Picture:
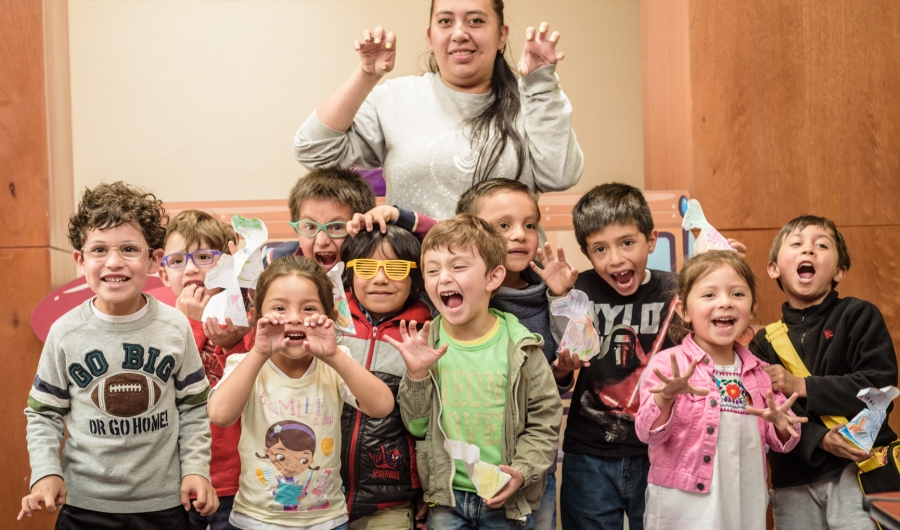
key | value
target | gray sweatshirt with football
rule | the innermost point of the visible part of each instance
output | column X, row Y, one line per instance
column 413, row 127
column 133, row 397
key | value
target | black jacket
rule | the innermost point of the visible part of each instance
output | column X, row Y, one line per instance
column 378, row 466
column 845, row 345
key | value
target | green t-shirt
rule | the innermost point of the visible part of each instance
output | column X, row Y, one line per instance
column 473, row 377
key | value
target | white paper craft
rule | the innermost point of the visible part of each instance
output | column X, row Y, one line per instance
column 487, row 478
column 708, row 238
column 232, row 273
column 580, row 337
column 344, row 320
column 863, row 429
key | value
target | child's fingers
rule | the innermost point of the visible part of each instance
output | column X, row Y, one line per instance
column 789, row 402
column 378, row 34
column 662, row 378
column 698, row 391
column 554, row 38
column 676, row 373
column 186, row 499
column 791, row 431
column 561, row 254
column 367, row 36
column 529, row 34
column 404, row 334
column 390, row 41
column 443, row 349
column 426, row 329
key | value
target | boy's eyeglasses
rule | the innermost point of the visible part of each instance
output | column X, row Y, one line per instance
column 100, row 251
column 201, row 258
column 394, row 269
column 307, row 228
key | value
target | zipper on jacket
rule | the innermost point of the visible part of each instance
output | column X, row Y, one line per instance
column 354, row 436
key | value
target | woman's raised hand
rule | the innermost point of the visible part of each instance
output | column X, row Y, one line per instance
column 377, row 50
column 540, row 49
column 669, row 387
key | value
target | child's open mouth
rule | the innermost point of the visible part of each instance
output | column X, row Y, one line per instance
column 295, row 336
column 327, row 259
column 723, row 323
column 451, row 299
column 198, row 283
column 623, row 279
column 115, row 280
column 806, row 271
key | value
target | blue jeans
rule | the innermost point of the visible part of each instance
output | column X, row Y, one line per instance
column 471, row 513
column 545, row 515
column 596, row 493
column 216, row 521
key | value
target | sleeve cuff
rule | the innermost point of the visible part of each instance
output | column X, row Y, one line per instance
column 194, row 470
column 407, row 219
column 542, row 80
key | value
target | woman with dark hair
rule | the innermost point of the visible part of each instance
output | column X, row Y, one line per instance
column 467, row 120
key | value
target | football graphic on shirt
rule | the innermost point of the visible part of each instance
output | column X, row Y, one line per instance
column 126, row 395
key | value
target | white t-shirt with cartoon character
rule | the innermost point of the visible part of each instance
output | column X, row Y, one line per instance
column 291, row 448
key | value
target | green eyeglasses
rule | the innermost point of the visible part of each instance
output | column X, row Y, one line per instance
column 307, row 228
column 394, row 269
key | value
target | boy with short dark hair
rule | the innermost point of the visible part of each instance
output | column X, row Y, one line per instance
column 476, row 376
column 845, row 345
column 605, row 466
column 194, row 242
column 321, row 204
column 123, row 371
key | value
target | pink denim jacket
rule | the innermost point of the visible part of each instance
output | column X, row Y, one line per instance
column 683, row 450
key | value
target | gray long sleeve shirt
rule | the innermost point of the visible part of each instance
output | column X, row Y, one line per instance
column 413, row 128
column 133, row 396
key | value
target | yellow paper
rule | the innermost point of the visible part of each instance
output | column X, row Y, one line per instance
column 488, row 479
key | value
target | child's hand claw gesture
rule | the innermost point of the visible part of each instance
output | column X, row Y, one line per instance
column 539, row 50
column 556, row 272
column 417, row 354
column 669, row 387
column 270, row 337
column 778, row 416
column 376, row 51
column 320, row 341
column 380, row 215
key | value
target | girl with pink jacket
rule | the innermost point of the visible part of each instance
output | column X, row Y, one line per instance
column 707, row 410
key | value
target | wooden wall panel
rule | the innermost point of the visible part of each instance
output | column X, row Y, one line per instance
column 665, row 55
column 23, row 147
column 794, row 110
column 750, row 135
column 20, row 353
column 26, row 215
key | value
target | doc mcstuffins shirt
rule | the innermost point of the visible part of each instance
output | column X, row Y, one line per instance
column 290, row 447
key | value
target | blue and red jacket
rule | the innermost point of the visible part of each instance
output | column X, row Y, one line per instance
column 378, row 456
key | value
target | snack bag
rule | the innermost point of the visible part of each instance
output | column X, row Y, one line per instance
column 708, row 238
column 580, row 337
column 862, row 430
column 344, row 320
column 487, row 478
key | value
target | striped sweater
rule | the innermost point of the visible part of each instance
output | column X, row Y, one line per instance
column 132, row 396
